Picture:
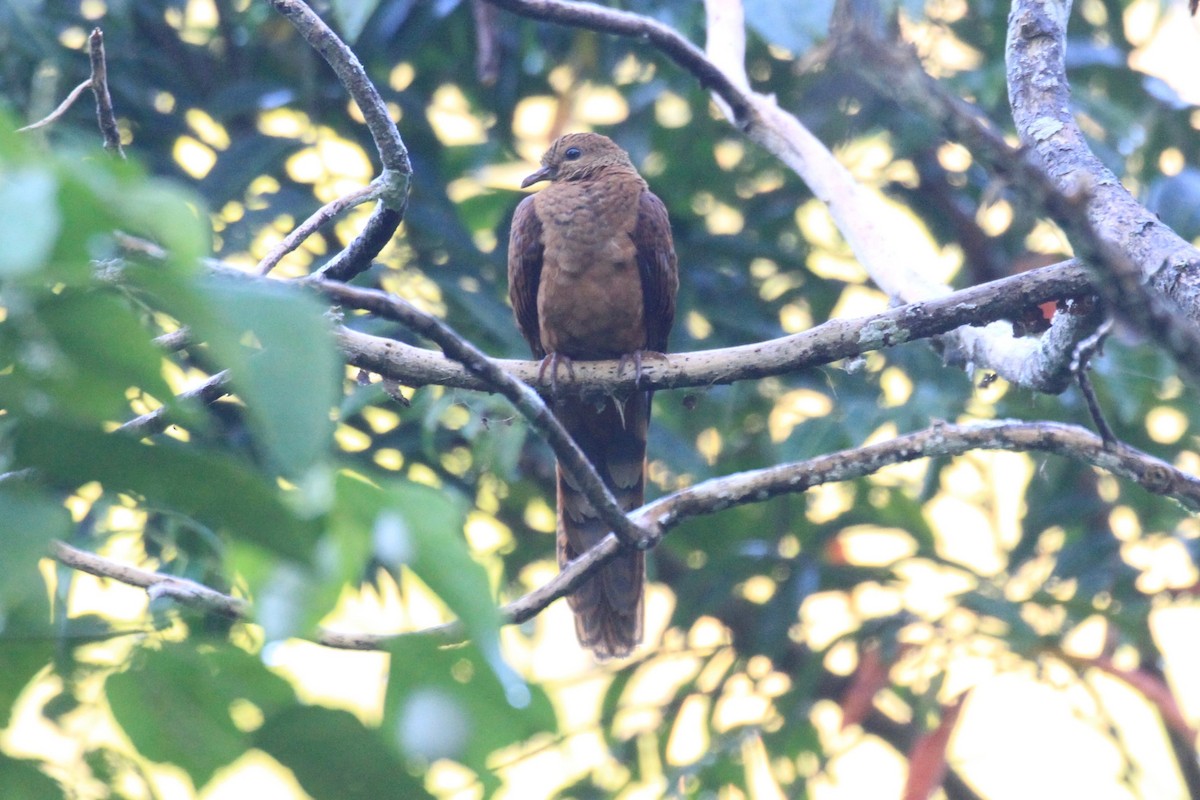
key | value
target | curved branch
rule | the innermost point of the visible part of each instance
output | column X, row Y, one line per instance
column 1041, row 103
column 1114, row 233
column 830, row 341
column 324, row 214
column 394, row 182
column 625, row 23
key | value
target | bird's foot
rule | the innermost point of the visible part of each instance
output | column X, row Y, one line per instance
column 552, row 360
column 636, row 358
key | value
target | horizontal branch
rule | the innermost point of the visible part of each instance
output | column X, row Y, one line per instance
column 825, row 343
column 181, row 590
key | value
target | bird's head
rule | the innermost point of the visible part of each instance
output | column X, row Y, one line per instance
column 577, row 156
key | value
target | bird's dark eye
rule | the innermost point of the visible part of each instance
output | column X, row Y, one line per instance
column 572, row 153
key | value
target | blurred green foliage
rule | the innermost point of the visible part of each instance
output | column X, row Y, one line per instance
column 261, row 498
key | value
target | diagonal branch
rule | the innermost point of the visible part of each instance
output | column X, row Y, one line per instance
column 717, row 494
column 1116, row 236
column 526, row 400
column 394, row 182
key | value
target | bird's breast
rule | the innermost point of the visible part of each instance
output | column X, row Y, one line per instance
column 590, row 296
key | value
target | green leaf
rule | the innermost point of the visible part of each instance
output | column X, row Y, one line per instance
column 210, row 488
column 442, row 702
column 335, row 757
column 29, row 520
column 22, row 778
column 421, row 528
column 175, row 704
column 80, row 351
column 277, row 344
column 29, row 219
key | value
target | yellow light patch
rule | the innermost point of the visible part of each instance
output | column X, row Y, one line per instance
column 859, row 301
column 73, row 38
column 793, row 408
column 795, row 317
column 285, row 123
column 1166, row 425
column 1171, row 161
column 457, row 460
column 194, row 157
column 401, row 76
column 708, row 443
column 724, row 220
column 449, row 114
column 211, row 132
column 351, row 440
column 953, row 157
column 697, row 326
column 532, row 119
column 896, row 385
column 486, row 534
column 539, row 516
column 728, row 153
column 672, row 111
column 381, row 420
column 869, row 546
column 389, row 458
column 602, row 105
column 421, row 473
column 759, row 589
column 93, row 9
column 995, row 218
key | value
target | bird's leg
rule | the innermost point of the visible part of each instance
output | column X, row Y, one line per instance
column 552, row 360
column 636, row 358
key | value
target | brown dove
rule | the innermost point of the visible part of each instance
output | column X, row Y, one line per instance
column 592, row 275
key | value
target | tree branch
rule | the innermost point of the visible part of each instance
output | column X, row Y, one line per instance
column 181, row 590
column 105, row 116
column 324, row 214
column 1069, row 441
column 394, row 182
column 570, row 457
column 1116, row 235
column 830, row 341
column 625, row 23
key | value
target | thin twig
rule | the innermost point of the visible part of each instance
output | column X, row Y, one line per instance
column 322, row 215
column 1080, row 365
column 156, row 421
column 105, row 116
column 54, row 115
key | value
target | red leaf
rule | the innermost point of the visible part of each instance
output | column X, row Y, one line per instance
column 869, row 678
column 927, row 758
